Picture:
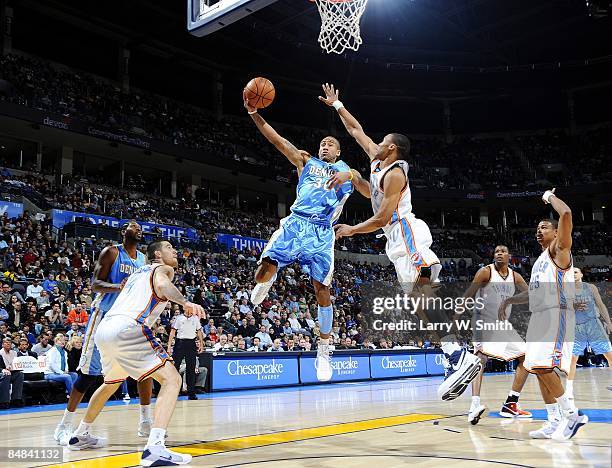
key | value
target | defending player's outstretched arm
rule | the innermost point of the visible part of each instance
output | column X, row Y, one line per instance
column 352, row 125
column 295, row 156
column 162, row 285
column 394, row 183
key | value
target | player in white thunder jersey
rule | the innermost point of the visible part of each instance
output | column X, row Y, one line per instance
column 550, row 334
column 128, row 348
column 492, row 285
column 408, row 238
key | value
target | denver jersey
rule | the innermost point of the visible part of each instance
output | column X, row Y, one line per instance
column 584, row 295
column 314, row 200
column 123, row 267
column 404, row 207
column 138, row 300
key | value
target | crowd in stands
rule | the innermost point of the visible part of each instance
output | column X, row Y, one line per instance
column 466, row 163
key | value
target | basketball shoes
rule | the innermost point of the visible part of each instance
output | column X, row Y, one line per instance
column 546, row 431
column 323, row 363
column 62, row 433
column 476, row 412
column 86, row 441
column 513, row 410
column 569, row 425
column 462, row 368
column 159, row 455
column 260, row 291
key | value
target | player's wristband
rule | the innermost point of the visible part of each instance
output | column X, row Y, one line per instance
column 337, row 105
column 352, row 176
column 251, row 113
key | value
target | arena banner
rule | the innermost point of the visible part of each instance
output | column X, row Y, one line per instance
column 435, row 362
column 241, row 243
column 385, row 365
column 345, row 367
column 30, row 364
column 63, row 217
column 254, row 370
column 11, row 209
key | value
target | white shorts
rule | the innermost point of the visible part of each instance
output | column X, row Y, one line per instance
column 550, row 340
column 408, row 247
column 128, row 348
column 504, row 344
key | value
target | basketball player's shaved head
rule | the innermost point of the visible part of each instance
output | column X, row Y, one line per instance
column 501, row 255
column 329, row 149
column 546, row 232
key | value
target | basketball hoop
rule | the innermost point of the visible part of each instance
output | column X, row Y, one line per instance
column 340, row 24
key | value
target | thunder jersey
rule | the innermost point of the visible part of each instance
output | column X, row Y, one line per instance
column 584, row 295
column 138, row 300
column 123, row 267
column 404, row 207
column 549, row 286
column 495, row 292
column 314, row 200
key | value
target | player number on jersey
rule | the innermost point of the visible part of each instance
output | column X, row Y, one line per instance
column 320, row 182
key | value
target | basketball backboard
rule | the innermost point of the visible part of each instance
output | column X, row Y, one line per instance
column 207, row 16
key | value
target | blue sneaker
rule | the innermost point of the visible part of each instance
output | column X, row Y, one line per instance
column 569, row 425
column 462, row 368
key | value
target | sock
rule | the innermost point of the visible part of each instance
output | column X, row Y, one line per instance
column 326, row 318
column 569, row 387
column 475, row 401
column 513, row 397
column 156, row 437
column 67, row 418
column 145, row 413
column 83, row 428
column 553, row 411
column 566, row 404
column 436, row 268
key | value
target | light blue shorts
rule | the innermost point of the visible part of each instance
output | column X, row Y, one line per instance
column 306, row 242
column 592, row 334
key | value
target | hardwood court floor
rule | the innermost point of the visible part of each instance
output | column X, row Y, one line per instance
column 383, row 423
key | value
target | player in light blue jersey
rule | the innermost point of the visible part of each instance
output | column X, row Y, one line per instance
column 307, row 234
column 593, row 325
column 114, row 265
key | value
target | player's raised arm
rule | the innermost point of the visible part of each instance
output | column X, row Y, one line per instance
column 563, row 242
column 296, row 157
column 102, row 270
column 352, row 125
column 394, row 183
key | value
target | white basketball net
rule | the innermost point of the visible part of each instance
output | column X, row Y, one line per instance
column 340, row 24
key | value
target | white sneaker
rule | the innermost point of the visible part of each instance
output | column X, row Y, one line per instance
column 462, row 367
column 323, row 363
column 476, row 412
column 62, row 433
column 260, row 291
column 569, row 425
column 144, row 428
column 86, row 441
column 126, row 397
column 158, row 455
column 546, row 431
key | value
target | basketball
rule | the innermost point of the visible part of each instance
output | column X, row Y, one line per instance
column 260, row 92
